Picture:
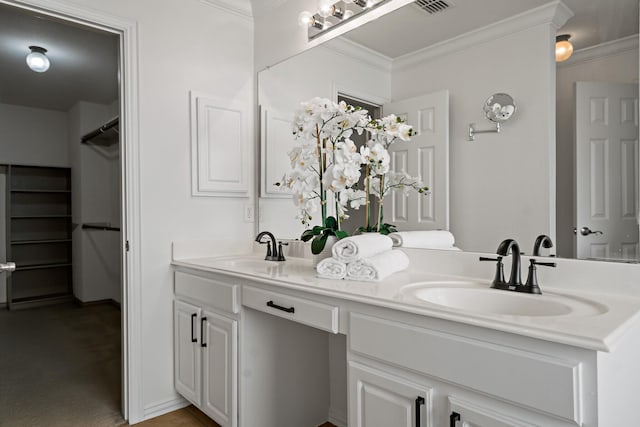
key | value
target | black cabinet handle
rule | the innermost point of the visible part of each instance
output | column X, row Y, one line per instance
column 202, row 343
column 193, row 332
column 279, row 307
column 419, row 403
column 453, row 418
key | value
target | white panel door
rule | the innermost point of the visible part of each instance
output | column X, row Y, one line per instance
column 426, row 156
column 378, row 399
column 187, row 353
column 220, row 366
column 607, row 171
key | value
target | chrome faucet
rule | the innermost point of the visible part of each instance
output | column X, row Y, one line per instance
column 274, row 253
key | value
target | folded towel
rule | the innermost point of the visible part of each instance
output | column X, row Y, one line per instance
column 378, row 266
column 361, row 246
column 423, row 239
column 331, row 268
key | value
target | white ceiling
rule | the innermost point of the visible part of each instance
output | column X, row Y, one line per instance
column 409, row 28
column 84, row 62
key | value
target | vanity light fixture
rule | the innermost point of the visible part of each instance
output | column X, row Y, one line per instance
column 332, row 13
column 564, row 48
column 498, row 108
column 37, row 60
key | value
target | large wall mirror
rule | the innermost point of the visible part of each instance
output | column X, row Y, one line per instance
column 568, row 159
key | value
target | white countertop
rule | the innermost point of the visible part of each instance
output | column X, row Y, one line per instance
column 598, row 331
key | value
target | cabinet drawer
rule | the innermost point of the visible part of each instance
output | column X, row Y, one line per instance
column 318, row 315
column 210, row 292
column 537, row 381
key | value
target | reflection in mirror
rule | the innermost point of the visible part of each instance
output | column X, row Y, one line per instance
column 499, row 107
column 520, row 184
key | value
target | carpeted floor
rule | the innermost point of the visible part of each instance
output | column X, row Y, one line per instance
column 60, row 366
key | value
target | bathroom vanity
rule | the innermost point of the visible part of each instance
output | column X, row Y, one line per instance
column 263, row 343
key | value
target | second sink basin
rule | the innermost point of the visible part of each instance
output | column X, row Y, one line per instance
column 498, row 302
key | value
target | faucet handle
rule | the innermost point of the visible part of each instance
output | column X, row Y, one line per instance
column 268, row 247
column 499, row 276
column 532, row 278
column 280, row 253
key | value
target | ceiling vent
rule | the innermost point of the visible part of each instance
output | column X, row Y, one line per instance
column 433, row 6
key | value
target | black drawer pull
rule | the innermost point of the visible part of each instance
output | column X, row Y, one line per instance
column 419, row 403
column 453, row 418
column 279, row 307
column 193, row 337
column 202, row 343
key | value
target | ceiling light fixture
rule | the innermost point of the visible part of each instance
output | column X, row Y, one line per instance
column 564, row 48
column 332, row 13
column 37, row 60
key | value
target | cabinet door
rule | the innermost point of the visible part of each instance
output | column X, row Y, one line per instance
column 220, row 368
column 468, row 414
column 378, row 399
column 187, row 353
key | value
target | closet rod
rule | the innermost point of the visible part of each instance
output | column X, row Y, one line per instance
column 102, row 129
column 104, row 227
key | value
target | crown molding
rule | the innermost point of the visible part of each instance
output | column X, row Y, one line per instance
column 613, row 47
column 241, row 8
column 359, row 53
column 556, row 13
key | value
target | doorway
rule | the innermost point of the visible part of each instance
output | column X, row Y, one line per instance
column 74, row 241
column 357, row 216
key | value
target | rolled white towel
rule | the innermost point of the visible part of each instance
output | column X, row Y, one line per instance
column 378, row 266
column 361, row 246
column 423, row 239
column 331, row 268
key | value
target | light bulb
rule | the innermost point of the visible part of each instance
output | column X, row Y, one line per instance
column 347, row 1
column 564, row 48
column 325, row 8
column 347, row 14
column 37, row 60
column 305, row 19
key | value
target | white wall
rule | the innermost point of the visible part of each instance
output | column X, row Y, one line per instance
column 183, row 46
column 33, row 136
column 95, row 199
column 284, row 86
column 597, row 64
column 500, row 183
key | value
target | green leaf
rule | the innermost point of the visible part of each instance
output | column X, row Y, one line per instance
column 331, row 223
column 341, row 234
column 317, row 245
column 307, row 235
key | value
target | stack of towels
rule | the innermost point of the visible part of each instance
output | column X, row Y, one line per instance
column 367, row 257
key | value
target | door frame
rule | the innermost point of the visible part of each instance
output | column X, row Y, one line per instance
column 131, row 279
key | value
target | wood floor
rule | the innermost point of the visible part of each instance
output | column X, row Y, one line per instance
column 187, row 417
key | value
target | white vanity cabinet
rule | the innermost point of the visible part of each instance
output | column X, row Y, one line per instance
column 206, row 345
column 410, row 375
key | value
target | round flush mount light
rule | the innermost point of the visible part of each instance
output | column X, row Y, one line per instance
column 564, row 48
column 37, row 60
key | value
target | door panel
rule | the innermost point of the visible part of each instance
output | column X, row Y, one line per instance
column 187, row 351
column 426, row 155
column 220, row 369
column 607, row 171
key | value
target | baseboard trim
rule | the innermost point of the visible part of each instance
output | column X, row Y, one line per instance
column 96, row 302
column 337, row 417
column 161, row 408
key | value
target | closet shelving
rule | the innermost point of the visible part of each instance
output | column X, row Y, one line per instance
column 38, row 222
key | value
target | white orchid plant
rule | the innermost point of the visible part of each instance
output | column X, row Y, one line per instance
column 326, row 166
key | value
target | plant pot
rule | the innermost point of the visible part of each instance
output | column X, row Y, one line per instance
column 326, row 252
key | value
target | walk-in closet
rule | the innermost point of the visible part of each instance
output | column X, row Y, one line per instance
column 61, row 245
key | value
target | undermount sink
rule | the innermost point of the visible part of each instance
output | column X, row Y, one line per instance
column 465, row 296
